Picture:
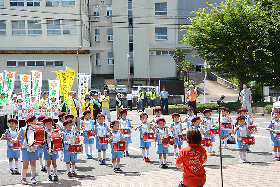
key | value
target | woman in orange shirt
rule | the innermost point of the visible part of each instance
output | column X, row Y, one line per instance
column 191, row 160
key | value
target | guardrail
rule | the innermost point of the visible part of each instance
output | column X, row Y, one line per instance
column 222, row 81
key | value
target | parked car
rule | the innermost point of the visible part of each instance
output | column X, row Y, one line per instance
column 121, row 89
column 111, row 88
column 136, row 89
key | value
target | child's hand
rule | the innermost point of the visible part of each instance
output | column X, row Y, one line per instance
column 66, row 142
column 271, row 129
column 41, row 147
column 123, row 139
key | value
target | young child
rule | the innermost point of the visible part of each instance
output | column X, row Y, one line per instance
column 53, row 103
column 160, row 133
column 88, row 125
column 115, row 136
column 51, row 159
column 10, row 134
column 224, row 119
column 176, row 129
column 40, row 151
column 101, row 130
column 243, row 111
column 195, row 124
column 59, row 125
column 274, row 128
column 242, row 131
column 191, row 160
column 189, row 116
column 144, row 127
column 125, row 124
column 29, row 154
column 158, row 115
column 69, row 139
column 208, row 124
column 71, row 117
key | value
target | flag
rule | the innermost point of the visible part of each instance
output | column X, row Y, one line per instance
column 1, row 82
column 25, row 85
column 9, row 82
column 54, row 89
column 36, row 84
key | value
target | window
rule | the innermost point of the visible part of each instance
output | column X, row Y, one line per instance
column 161, row 33
column 164, row 52
column 30, row 63
column 58, row 63
column 96, row 35
column 160, row 9
column 52, row 2
column 33, row 2
column 98, row 60
column 68, row 2
column 40, row 63
column 2, row 28
column 49, row 63
column 69, row 27
column 130, row 38
column 18, row 28
column 21, row 64
column 158, row 52
column 1, row 3
column 109, row 34
column 34, row 27
column 11, row 63
column 129, row 4
column 53, row 27
column 96, row 10
column 198, row 69
column 109, row 10
column 16, row 2
column 110, row 58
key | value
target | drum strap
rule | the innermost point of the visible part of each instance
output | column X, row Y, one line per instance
column 197, row 152
column 240, row 129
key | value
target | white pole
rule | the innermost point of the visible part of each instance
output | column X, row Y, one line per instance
column 204, row 79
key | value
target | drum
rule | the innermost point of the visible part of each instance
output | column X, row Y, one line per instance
column 165, row 142
column 149, row 137
column 250, row 140
column 90, row 134
column 182, row 137
column 76, row 149
column 119, row 146
column 126, row 132
column 278, row 136
column 171, row 140
column 214, row 131
column 16, row 146
column 226, row 126
column 54, row 142
column 252, row 127
column 103, row 140
column 206, row 142
column 35, row 135
column 185, row 137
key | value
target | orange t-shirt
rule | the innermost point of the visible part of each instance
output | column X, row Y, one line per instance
column 193, row 160
column 191, row 96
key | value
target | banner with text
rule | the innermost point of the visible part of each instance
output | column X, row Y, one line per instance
column 36, row 84
column 54, row 89
column 1, row 82
column 66, row 81
column 83, row 80
column 9, row 82
column 25, row 85
column 6, row 110
column 22, row 114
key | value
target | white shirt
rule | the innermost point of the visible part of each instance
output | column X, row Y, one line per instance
column 129, row 97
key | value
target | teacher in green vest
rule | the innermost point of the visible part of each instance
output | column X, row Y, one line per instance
column 153, row 96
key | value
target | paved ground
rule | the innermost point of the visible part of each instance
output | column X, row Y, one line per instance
column 137, row 173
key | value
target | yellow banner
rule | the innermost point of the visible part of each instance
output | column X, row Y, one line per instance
column 66, row 81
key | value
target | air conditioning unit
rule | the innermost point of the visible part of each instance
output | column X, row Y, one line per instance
column 109, row 37
column 152, row 53
column 97, row 38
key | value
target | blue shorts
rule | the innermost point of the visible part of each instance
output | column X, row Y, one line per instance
column 144, row 144
column 47, row 156
column 12, row 153
column 30, row 156
column 161, row 149
column 239, row 145
column 116, row 154
column 98, row 146
column 177, row 142
column 224, row 132
column 128, row 140
column 211, row 136
column 39, row 149
column 69, row 157
column 274, row 142
column 88, row 140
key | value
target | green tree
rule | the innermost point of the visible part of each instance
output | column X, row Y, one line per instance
column 178, row 57
column 228, row 37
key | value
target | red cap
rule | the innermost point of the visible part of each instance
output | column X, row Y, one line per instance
column 223, row 108
column 67, row 121
column 69, row 116
column 206, row 110
column 61, row 114
column 113, row 123
column 239, row 117
column 242, row 110
column 123, row 111
column 141, row 115
column 48, row 119
column 175, row 114
column 86, row 112
column 195, row 119
column 100, row 115
column 189, row 108
column 157, row 109
column 41, row 118
column 275, row 111
column 160, row 119
column 30, row 118
column 13, row 120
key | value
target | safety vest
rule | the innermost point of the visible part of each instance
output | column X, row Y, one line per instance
column 152, row 95
column 142, row 95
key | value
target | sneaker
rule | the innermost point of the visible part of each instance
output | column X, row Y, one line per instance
column 88, row 157
column 24, row 181
column 103, row 162
column 43, row 168
column 60, row 158
column 212, row 154
column 165, row 166
column 12, row 171
column 115, row 170
column 69, row 174
column 248, row 150
column 74, row 174
column 16, row 171
column 55, row 178
column 225, row 147
column 160, row 165
column 246, row 161
column 49, row 178
column 147, row 159
column 144, row 159
column 276, row 159
column 241, row 161
column 100, row 162
column 33, row 180
column 119, row 169
column 127, row 154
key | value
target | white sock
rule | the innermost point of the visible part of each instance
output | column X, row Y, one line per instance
column 127, row 147
column 33, row 171
column 208, row 149
column 73, row 168
column 143, row 153
column 148, row 152
column 244, row 155
column 179, row 151
column 275, row 154
column 99, row 155
column 278, row 154
column 16, row 164
column 61, row 154
column 11, row 165
column 86, row 148
column 160, row 161
column 55, row 171
column 164, row 161
column 118, row 164
column 90, row 148
column 45, row 163
column 41, row 161
column 175, row 151
column 68, row 168
column 48, row 170
column 240, row 155
column 114, row 165
column 211, row 149
column 104, row 154
column 23, row 173
column 225, row 141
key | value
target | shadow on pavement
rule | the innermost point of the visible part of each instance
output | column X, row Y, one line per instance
column 261, row 153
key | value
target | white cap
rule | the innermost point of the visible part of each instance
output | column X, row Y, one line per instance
column 19, row 97
column 15, row 95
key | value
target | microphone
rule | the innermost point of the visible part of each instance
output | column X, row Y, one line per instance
column 221, row 98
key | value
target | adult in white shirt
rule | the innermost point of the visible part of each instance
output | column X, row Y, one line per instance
column 246, row 99
column 129, row 100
